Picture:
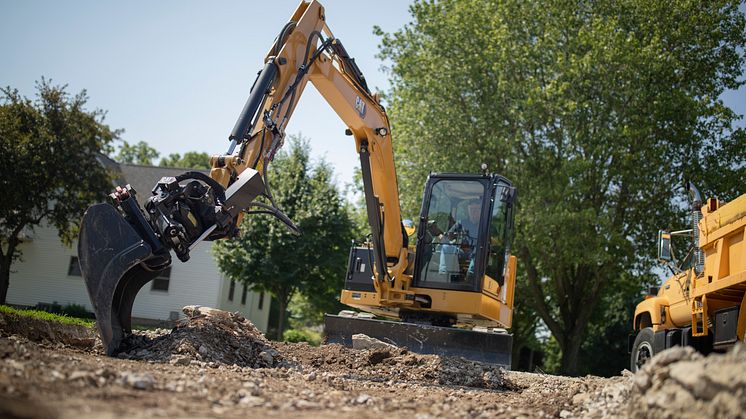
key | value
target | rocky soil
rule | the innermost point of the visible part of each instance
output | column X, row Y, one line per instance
column 216, row 364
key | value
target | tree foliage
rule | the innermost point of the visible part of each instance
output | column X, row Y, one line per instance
column 270, row 258
column 190, row 160
column 596, row 110
column 139, row 153
column 50, row 169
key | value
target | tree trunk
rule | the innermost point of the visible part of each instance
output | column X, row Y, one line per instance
column 6, row 259
column 579, row 319
column 570, row 354
column 4, row 276
column 282, row 301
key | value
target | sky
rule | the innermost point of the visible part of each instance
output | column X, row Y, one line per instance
column 176, row 74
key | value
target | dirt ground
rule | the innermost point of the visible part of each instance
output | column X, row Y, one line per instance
column 216, row 364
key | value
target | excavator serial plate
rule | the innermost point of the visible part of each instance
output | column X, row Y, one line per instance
column 488, row 347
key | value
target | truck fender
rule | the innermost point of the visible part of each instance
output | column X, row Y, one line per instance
column 648, row 312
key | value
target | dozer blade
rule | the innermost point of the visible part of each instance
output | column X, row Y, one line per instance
column 489, row 347
column 111, row 254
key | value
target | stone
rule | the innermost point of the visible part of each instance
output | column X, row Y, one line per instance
column 251, row 401
column 642, row 380
column 266, row 357
column 669, row 356
column 362, row 399
column 362, row 341
column 139, row 381
column 180, row 360
column 580, row 399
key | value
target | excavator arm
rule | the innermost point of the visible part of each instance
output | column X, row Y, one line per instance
column 306, row 50
column 122, row 247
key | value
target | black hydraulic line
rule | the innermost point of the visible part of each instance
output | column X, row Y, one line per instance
column 374, row 212
column 256, row 97
column 303, row 69
column 281, row 37
column 140, row 224
column 354, row 70
column 261, row 149
column 268, row 209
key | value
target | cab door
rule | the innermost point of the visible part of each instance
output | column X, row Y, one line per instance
column 451, row 241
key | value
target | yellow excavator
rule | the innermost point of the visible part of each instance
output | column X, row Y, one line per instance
column 449, row 291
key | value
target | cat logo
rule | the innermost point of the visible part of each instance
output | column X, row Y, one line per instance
column 360, row 106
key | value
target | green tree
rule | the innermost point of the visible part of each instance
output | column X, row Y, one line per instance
column 139, row 153
column 50, row 171
column 270, row 258
column 595, row 109
column 190, row 160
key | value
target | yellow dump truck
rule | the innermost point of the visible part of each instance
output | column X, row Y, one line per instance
column 703, row 302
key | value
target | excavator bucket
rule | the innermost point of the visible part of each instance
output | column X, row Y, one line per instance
column 488, row 347
column 122, row 247
column 111, row 255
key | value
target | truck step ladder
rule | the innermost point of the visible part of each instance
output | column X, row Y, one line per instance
column 699, row 316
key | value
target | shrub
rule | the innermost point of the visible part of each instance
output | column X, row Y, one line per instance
column 76, row 310
column 302, row 335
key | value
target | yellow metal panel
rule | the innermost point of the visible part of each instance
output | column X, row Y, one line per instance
column 723, row 283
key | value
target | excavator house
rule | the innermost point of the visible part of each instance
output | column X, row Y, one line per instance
column 443, row 285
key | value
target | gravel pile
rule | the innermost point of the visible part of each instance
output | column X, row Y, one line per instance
column 677, row 383
column 394, row 365
column 682, row 383
column 213, row 338
column 206, row 337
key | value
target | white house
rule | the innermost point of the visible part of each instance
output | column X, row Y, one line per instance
column 49, row 272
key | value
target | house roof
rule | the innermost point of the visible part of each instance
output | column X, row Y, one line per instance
column 144, row 178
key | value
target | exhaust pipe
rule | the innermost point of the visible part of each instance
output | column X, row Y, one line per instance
column 696, row 211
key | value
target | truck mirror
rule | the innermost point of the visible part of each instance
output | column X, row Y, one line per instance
column 664, row 246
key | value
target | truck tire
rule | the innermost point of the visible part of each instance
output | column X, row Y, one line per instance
column 642, row 350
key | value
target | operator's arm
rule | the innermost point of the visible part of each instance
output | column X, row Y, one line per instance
column 306, row 51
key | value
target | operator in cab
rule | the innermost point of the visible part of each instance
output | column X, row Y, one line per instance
column 461, row 240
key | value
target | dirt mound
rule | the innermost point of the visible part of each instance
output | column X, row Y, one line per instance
column 682, row 383
column 393, row 365
column 209, row 337
column 206, row 336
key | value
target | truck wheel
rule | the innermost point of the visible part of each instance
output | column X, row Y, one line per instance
column 642, row 350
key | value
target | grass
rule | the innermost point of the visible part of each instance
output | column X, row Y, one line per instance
column 43, row 315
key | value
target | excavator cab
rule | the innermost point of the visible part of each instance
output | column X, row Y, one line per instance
column 465, row 226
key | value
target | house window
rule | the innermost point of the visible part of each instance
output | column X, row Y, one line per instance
column 243, row 295
column 160, row 283
column 74, row 268
column 261, row 300
column 231, row 290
